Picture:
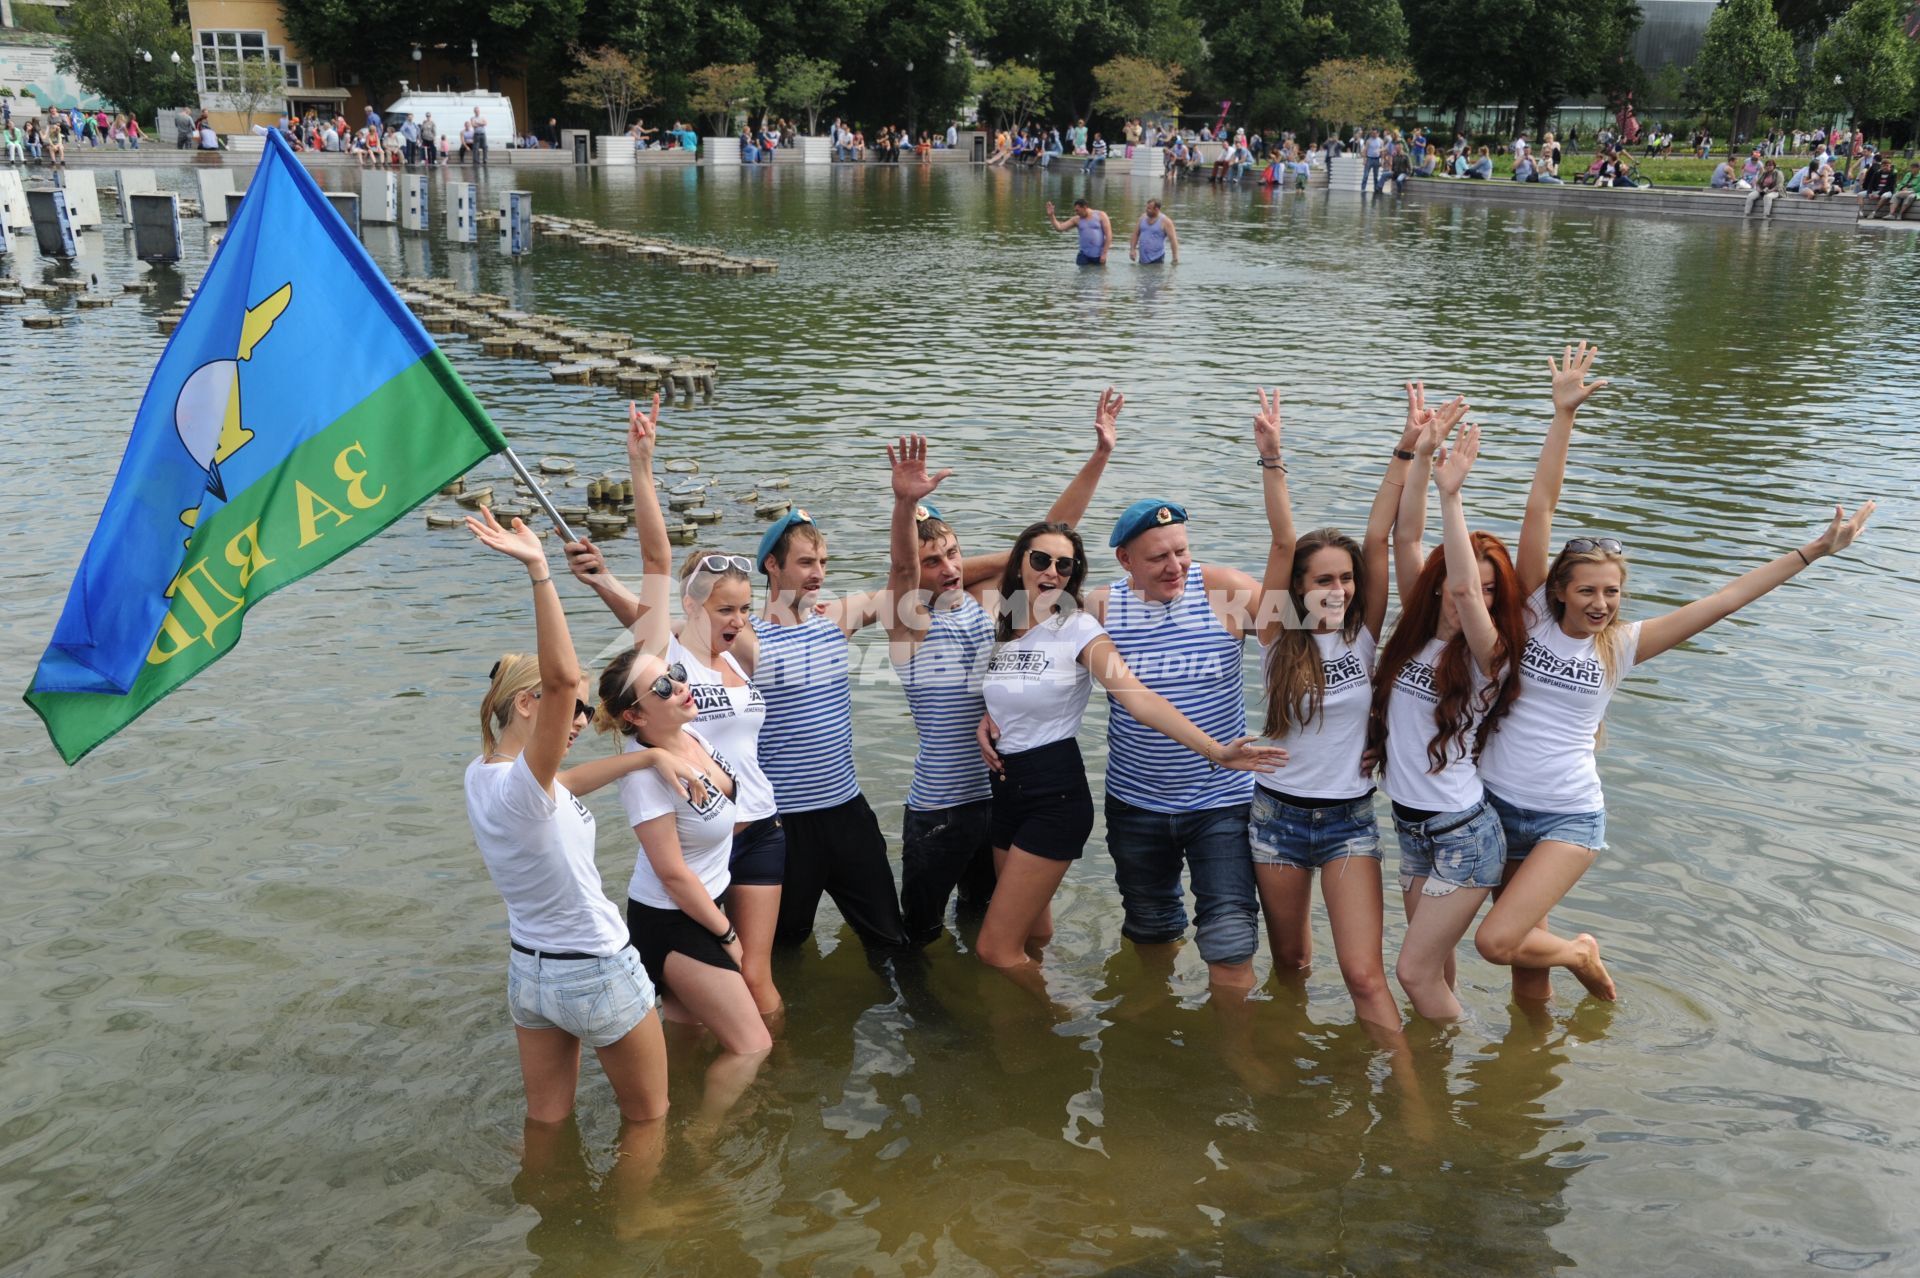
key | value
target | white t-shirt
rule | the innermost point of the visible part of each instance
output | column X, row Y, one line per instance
column 1410, row 729
column 731, row 718
column 705, row 830
column 538, row 848
column 1542, row 755
column 1323, row 759
column 1036, row 688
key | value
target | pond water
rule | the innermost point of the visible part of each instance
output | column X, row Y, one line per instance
column 254, row 968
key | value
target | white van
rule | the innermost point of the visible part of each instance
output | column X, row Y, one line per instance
column 451, row 111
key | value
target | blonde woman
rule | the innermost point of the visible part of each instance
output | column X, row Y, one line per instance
column 572, row 976
column 1539, row 767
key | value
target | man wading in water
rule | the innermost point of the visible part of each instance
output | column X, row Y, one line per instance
column 1096, row 231
column 1153, row 235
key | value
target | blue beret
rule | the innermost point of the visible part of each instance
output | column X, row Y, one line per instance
column 776, row 531
column 1143, row 515
column 925, row 510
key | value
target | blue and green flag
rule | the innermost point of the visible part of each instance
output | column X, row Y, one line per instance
column 298, row 410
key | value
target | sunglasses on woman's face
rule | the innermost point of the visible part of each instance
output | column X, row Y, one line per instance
column 579, row 707
column 1583, row 545
column 720, row 563
column 1040, row 561
column 663, row 686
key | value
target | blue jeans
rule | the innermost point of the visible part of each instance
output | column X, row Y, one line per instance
column 1148, row 848
column 1371, row 173
column 1526, row 827
column 942, row 849
column 597, row 1000
column 1452, row 850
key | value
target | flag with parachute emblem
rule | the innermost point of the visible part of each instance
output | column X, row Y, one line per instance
column 298, row 410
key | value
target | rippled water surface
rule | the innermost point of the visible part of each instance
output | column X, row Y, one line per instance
column 254, row 1020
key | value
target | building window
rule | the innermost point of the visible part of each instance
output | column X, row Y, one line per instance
column 221, row 52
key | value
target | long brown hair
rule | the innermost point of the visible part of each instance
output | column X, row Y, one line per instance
column 1419, row 622
column 1013, row 594
column 513, row 674
column 1296, row 681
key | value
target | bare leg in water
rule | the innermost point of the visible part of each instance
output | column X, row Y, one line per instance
column 1514, row 934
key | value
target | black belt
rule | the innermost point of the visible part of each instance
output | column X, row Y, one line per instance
column 552, row 954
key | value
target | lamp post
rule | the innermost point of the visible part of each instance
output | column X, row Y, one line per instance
column 475, row 51
column 910, row 102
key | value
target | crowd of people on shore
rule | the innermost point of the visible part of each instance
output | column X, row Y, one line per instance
column 37, row 137
column 1478, row 712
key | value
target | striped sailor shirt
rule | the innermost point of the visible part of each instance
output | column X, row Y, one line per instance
column 942, row 682
column 1181, row 651
column 806, row 746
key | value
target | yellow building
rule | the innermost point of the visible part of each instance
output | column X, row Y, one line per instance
column 227, row 31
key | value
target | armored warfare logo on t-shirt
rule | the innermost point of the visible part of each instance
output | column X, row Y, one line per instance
column 1018, row 661
column 1416, row 678
column 1345, row 669
column 1584, row 675
column 714, row 798
column 715, row 700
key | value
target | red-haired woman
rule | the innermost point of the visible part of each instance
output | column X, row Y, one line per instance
column 1446, row 672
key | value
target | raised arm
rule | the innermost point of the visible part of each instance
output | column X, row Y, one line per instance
column 906, row 614
column 1104, row 662
column 1570, row 390
column 1071, row 506
column 1057, row 223
column 589, row 567
column 1386, row 504
column 559, row 666
column 653, row 626
column 1410, row 522
column 1463, row 566
column 1272, row 607
column 1682, row 624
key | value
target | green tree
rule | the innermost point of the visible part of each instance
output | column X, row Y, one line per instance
column 608, row 79
column 721, row 91
column 1131, row 87
column 1458, row 48
column 259, row 84
column 1867, row 63
column 1256, row 52
column 806, row 85
column 1012, row 92
column 108, row 43
column 1361, row 28
column 42, row 18
column 1744, row 62
column 1343, row 91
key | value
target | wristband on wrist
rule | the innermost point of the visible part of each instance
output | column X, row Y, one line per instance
column 1271, row 463
column 542, row 580
column 1403, row 454
column 731, row 936
column 1803, row 556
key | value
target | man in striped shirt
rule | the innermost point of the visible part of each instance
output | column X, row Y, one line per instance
column 940, row 636
column 1180, row 626
column 834, row 843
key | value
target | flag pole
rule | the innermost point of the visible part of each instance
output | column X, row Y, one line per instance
column 540, row 495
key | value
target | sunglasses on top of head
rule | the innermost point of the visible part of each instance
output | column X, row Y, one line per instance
column 720, row 563
column 1040, row 561
column 663, row 686
column 1584, row 545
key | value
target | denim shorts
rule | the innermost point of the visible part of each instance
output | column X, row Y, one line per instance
column 1524, row 827
column 1282, row 834
column 1452, row 850
column 597, row 1000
